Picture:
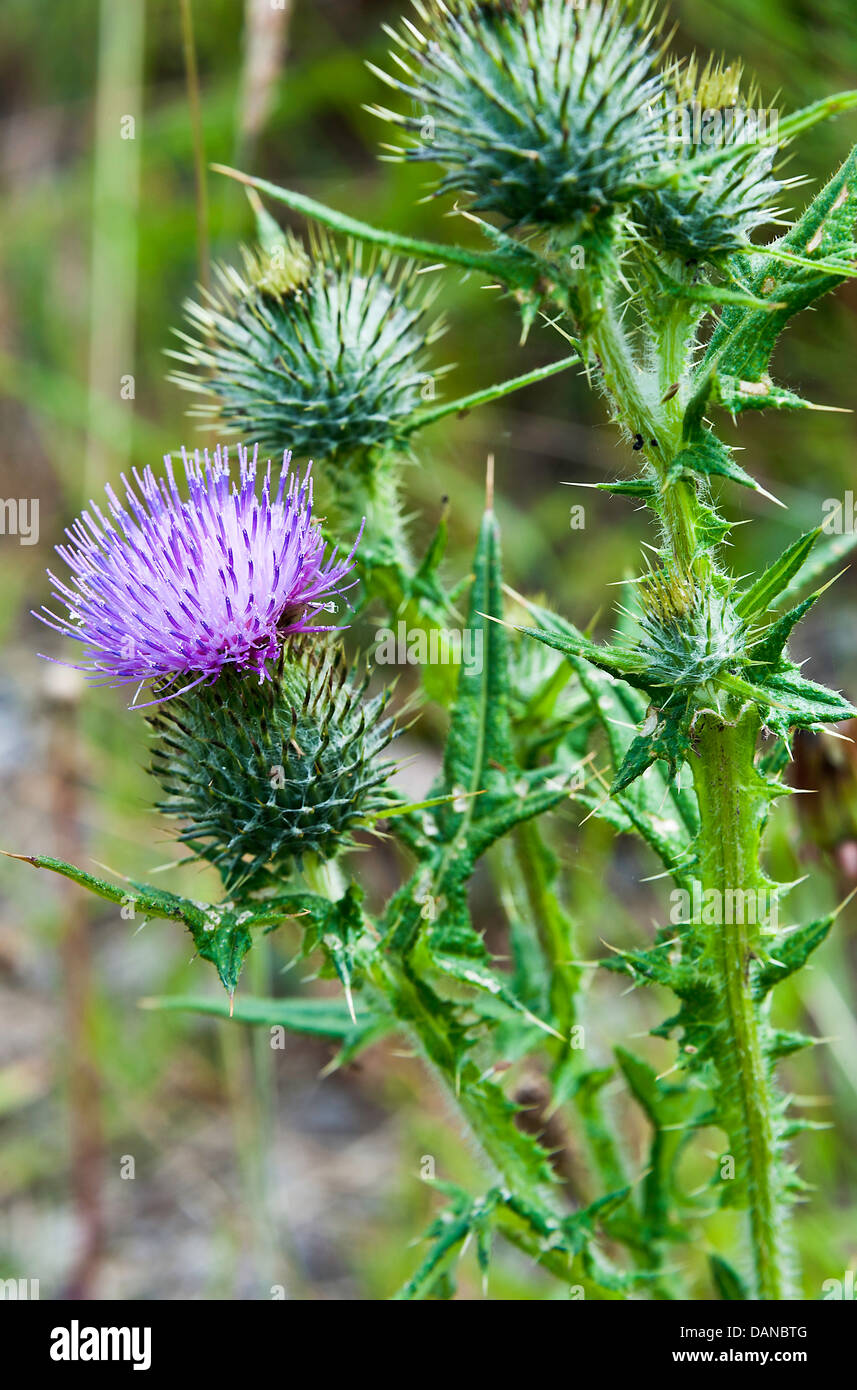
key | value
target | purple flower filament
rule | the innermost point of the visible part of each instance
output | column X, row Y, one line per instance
column 167, row 589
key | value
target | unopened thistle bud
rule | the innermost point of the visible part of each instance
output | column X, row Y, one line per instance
column 545, row 112
column 687, row 638
column 325, row 355
column 262, row 775
column 705, row 216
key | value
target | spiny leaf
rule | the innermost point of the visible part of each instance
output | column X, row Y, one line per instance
column 318, row 1018
column 743, row 341
column 767, row 652
column 773, row 582
column 790, row 953
column 448, row 1232
column 511, row 262
column 736, row 395
column 481, row 977
column 630, row 487
column 796, row 702
column 615, row 702
column 671, row 1110
column 709, row 457
column 668, row 741
column 829, row 551
column 482, row 793
column 221, row 934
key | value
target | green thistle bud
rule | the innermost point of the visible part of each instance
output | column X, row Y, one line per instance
column 262, row 774
column 544, row 112
column 687, row 637
column 707, row 216
column 325, row 356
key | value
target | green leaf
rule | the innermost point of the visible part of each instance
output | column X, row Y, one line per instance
column 482, row 792
column 340, row 930
column 729, row 1284
column 448, row 1233
column 736, row 395
column 480, row 977
column 799, row 703
column 478, row 746
column 318, row 1018
column 828, row 552
column 708, row 457
column 765, row 654
column 774, row 581
column 791, row 953
column 616, row 703
column 743, row 341
column 630, row 487
column 506, row 260
column 672, row 1111
column 220, row 933
column 668, row 741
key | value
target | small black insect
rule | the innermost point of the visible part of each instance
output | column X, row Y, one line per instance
column 638, row 443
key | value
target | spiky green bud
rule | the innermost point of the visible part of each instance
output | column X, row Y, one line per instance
column 687, row 637
column 543, row 112
column 705, row 216
column 263, row 774
column 325, row 356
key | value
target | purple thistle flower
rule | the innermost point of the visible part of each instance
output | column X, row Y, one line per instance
column 169, row 589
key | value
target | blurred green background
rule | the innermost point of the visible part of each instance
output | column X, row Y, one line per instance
column 250, row 1171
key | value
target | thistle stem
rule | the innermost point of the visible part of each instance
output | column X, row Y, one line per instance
column 732, row 800
column 624, row 382
column 385, row 521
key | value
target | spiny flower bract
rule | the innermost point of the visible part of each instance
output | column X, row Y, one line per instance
column 174, row 590
column 262, row 775
column 543, row 112
column 332, row 362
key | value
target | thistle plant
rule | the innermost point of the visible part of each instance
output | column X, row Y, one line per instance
column 558, row 121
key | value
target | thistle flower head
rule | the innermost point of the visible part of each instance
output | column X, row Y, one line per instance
column 175, row 590
column 707, row 215
column 261, row 775
column 540, row 110
column 326, row 353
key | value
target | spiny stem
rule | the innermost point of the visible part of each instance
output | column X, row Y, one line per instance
column 732, row 802
column 623, row 380
column 678, row 496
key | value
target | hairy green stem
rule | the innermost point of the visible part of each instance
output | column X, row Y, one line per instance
column 678, row 496
column 733, row 801
column 625, row 383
